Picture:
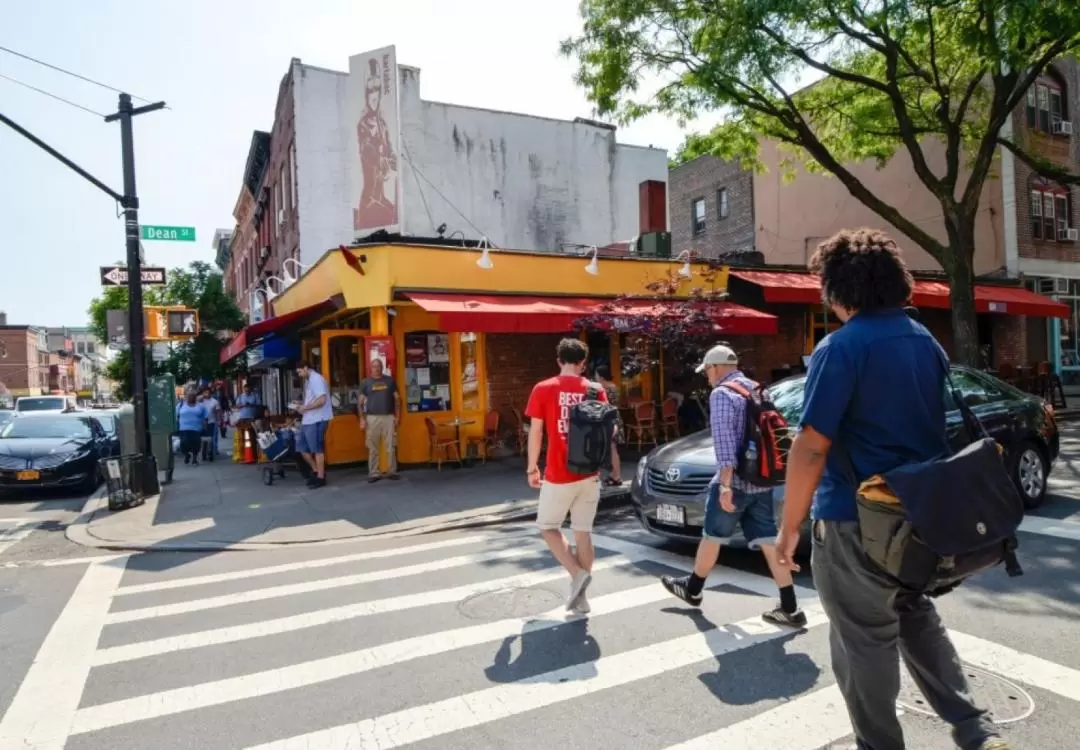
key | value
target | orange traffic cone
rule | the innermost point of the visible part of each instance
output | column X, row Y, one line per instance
column 249, row 449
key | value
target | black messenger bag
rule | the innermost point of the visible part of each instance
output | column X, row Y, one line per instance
column 956, row 516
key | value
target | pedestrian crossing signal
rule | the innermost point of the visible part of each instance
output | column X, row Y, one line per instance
column 171, row 323
column 183, row 323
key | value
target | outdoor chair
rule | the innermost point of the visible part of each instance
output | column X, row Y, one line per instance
column 441, row 447
column 669, row 419
column 521, row 430
column 644, row 423
column 489, row 441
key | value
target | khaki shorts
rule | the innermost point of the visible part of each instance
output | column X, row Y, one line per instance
column 579, row 499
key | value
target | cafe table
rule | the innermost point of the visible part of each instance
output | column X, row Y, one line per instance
column 457, row 423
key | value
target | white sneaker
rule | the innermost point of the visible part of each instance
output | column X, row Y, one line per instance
column 581, row 606
column 578, row 584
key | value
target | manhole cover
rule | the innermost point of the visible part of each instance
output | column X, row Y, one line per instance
column 1006, row 701
column 510, row 602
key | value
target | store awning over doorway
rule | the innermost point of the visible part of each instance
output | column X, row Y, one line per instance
column 527, row 314
column 789, row 287
column 279, row 326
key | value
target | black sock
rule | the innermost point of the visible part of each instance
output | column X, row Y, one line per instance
column 787, row 599
column 694, row 584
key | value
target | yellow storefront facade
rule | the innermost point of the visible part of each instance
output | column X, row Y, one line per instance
column 430, row 313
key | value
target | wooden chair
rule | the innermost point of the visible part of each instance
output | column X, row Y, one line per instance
column 1007, row 372
column 669, row 418
column 644, row 422
column 521, row 430
column 490, row 439
column 1047, row 385
column 440, row 446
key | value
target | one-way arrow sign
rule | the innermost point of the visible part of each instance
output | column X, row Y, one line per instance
column 118, row 276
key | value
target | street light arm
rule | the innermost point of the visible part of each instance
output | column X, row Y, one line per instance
column 61, row 158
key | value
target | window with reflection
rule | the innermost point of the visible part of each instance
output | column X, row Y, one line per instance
column 470, row 372
column 343, row 353
column 427, row 371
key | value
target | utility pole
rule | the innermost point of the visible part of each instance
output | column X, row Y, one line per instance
column 136, row 318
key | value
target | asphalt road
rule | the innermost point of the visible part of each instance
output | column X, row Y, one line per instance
column 458, row 640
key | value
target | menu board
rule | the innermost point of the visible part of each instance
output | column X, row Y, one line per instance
column 427, row 371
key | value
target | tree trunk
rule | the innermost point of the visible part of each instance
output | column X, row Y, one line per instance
column 961, row 272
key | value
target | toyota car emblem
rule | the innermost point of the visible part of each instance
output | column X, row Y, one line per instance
column 673, row 474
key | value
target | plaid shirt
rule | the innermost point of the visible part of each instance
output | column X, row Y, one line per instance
column 727, row 422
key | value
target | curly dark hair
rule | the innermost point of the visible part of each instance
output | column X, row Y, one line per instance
column 861, row 269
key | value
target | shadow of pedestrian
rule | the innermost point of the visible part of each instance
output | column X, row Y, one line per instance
column 544, row 649
column 765, row 671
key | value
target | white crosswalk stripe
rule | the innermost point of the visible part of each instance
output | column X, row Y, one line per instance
column 136, row 649
column 14, row 530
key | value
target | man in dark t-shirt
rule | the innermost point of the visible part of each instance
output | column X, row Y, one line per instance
column 380, row 410
column 874, row 400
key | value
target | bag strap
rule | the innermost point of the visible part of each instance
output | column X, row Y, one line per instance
column 972, row 424
column 734, row 387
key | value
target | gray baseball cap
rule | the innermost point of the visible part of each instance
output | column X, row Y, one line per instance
column 718, row 355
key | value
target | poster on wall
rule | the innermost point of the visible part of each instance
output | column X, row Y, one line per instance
column 416, row 349
column 375, row 137
column 438, row 348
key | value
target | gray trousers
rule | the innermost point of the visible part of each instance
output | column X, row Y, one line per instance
column 872, row 621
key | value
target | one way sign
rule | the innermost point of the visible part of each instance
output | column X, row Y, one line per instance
column 118, row 276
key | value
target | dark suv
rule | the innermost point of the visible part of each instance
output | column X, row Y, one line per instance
column 669, row 485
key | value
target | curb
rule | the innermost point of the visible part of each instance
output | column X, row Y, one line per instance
column 79, row 532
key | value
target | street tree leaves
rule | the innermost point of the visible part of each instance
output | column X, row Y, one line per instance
column 198, row 286
column 889, row 75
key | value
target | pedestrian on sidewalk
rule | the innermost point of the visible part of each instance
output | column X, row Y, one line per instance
column 191, row 420
column 562, row 491
column 875, row 390
column 380, row 413
column 732, row 501
column 213, row 423
column 316, row 411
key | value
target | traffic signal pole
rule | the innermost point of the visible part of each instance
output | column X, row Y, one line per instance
column 136, row 318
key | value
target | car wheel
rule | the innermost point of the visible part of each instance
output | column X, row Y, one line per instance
column 1030, row 473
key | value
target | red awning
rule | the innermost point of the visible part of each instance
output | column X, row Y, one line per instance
column 520, row 314
column 256, row 332
column 788, row 287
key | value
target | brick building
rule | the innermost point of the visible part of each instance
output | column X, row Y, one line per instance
column 24, row 360
column 711, row 207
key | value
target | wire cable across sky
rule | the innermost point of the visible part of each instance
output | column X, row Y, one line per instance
column 52, row 95
column 58, row 69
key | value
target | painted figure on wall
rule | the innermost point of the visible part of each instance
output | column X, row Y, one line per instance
column 378, row 162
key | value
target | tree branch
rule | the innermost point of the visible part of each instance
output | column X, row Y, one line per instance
column 1043, row 167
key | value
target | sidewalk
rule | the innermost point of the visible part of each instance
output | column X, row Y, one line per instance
column 222, row 505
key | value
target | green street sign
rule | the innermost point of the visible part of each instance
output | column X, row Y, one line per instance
column 174, row 234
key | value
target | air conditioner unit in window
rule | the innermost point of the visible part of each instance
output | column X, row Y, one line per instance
column 1063, row 127
column 1069, row 235
column 1061, row 285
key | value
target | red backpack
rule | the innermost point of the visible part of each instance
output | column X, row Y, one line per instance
column 767, row 438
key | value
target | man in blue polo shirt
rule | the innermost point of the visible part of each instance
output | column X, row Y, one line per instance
column 874, row 400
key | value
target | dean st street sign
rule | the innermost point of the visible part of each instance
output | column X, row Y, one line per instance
column 173, row 234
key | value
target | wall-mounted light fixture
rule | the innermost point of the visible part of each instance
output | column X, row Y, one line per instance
column 292, row 278
column 484, row 261
column 686, row 271
column 593, row 267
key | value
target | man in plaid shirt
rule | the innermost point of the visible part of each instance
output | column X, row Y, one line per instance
column 732, row 501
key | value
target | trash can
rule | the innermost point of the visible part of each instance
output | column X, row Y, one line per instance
column 126, row 479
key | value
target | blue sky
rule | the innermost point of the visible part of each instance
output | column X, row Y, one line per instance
column 218, row 63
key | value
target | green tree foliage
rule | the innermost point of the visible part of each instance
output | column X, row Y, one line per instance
column 198, row 286
column 891, row 74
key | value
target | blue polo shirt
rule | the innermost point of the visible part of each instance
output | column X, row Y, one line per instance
column 876, row 389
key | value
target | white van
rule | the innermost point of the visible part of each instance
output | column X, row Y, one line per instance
column 44, row 405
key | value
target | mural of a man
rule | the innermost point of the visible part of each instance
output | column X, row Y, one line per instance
column 378, row 162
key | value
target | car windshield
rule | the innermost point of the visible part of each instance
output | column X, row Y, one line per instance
column 60, row 428
column 40, row 404
column 108, row 423
column 787, row 396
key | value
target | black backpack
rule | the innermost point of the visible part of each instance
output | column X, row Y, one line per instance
column 590, row 432
column 767, row 438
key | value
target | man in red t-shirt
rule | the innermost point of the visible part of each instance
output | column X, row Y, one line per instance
column 563, row 491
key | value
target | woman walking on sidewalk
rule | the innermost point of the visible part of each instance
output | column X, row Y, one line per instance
column 191, row 420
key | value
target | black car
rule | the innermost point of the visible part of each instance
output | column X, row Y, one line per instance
column 669, row 486
column 52, row 451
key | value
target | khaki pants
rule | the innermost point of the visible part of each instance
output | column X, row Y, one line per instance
column 380, row 432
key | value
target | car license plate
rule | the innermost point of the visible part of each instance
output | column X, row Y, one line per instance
column 28, row 476
column 673, row 514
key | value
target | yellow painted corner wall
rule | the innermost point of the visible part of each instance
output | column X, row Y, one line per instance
column 332, row 275
column 413, row 446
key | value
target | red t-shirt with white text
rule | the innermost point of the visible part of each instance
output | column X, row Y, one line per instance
column 550, row 402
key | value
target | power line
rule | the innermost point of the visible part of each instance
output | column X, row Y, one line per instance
column 70, row 73
column 52, row 96
column 440, row 194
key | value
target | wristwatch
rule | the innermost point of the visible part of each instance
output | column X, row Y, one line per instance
column 724, row 488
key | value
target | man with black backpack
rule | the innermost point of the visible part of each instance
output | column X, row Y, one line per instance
column 748, row 435
column 873, row 427
column 580, row 427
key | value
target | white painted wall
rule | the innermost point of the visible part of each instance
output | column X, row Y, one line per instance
column 525, row 182
column 323, row 158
